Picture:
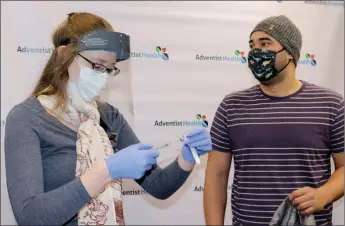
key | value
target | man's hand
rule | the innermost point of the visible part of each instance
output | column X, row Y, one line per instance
column 308, row 200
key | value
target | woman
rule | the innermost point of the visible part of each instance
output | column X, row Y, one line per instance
column 60, row 143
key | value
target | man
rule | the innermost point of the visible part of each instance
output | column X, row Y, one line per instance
column 281, row 134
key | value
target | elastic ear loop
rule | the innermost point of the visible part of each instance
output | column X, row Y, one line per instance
column 286, row 64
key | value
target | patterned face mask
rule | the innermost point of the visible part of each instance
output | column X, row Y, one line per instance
column 262, row 63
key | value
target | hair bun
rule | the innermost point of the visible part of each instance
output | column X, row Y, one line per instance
column 70, row 15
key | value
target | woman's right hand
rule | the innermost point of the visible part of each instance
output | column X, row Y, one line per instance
column 132, row 162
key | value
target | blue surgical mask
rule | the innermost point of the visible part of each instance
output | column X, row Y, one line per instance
column 90, row 83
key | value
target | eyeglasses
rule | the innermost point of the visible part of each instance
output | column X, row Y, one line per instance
column 101, row 68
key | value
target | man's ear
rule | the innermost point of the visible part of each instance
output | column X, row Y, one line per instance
column 290, row 56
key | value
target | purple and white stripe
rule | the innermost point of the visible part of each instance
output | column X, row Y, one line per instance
column 278, row 145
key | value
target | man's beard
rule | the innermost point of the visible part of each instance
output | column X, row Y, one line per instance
column 279, row 78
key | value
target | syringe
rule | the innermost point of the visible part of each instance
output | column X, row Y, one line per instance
column 161, row 146
column 180, row 140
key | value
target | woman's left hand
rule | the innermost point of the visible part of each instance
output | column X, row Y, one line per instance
column 198, row 138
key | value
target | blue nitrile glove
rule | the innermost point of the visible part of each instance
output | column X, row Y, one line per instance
column 131, row 162
column 198, row 138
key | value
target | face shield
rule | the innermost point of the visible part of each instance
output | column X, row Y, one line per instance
column 117, row 91
column 115, row 42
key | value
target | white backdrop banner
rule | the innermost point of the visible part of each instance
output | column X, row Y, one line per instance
column 186, row 56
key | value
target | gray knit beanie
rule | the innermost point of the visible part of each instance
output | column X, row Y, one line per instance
column 285, row 31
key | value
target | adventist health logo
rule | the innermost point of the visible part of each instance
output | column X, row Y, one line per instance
column 161, row 53
column 200, row 121
column 135, row 192
column 309, row 60
column 25, row 49
column 238, row 57
column 200, row 188
column 328, row 3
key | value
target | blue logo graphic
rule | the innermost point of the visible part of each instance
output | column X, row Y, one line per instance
column 161, row 53
column 309, row 59
column 165, row 55
column 203, row 120
column 240, row 54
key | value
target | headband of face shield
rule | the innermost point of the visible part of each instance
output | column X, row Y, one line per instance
column 91, row 82
column 116, row 42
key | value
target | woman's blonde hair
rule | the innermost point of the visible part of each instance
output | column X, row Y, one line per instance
column 54, row 78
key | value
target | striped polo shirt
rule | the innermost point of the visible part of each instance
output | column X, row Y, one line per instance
column 279, row 144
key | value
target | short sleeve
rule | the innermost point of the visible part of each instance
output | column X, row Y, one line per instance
column 337, row 130
column 219, row 130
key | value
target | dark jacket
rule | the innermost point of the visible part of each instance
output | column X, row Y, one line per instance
column 288, row 215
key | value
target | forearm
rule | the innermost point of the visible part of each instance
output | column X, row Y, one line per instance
column 334, row 188
column 61, row 204
column 215, row 200
column 186, row 166
column 162, row 183
column 96, row 179
column 51, row 208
